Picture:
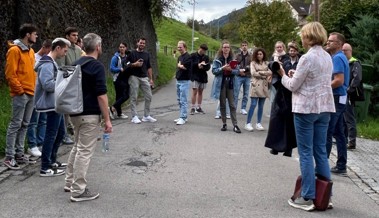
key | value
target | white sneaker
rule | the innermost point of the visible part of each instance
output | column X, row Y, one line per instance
column 148, row 119
column 259, row 127
column 111, row 115
column 51, row 172
column 249, row 127
column 136, row 120
column 34, row 152
column 176, row 120
column 181, row 121
column 218, row 117
column 243, row 112
column 227, row 116
column 122, row 116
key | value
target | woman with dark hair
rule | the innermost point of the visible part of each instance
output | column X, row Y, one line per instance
column 223, row 84
column 120, row 81
column 258, row 87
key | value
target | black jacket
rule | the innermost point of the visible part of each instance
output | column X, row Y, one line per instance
column 184, row 74
column 199, row 75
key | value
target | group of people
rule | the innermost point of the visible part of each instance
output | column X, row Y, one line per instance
column 32, row 85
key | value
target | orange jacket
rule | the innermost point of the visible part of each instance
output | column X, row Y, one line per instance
column 19, row 69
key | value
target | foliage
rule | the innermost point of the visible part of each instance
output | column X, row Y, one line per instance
column 230, row 30
column 264, row 24
column 369, row 128
column 365, row 38
column 167, row 68
column 159, row 8
column 336, row 15
column 196, row 24
column 5, row 113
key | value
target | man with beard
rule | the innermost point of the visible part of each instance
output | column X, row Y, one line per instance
column 141, row 74
column 19, row 72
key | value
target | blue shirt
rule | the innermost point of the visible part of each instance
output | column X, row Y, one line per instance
column 341, row 65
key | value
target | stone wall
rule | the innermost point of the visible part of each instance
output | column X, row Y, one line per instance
column 115, row 21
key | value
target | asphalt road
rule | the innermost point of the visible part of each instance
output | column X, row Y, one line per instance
column 164, row 170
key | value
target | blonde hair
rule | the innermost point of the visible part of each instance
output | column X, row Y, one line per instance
column 280, row 43
column 315, row 33
column 183, row 43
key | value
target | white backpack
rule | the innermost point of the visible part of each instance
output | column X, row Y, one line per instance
column 68, row 90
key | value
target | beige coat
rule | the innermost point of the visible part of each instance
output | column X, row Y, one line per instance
column 259, row 84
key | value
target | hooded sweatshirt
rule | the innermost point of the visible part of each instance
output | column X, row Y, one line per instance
column 47, row 70
column 19, row 70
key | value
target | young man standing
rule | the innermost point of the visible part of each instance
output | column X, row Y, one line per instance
column 243, row 78
column 87, row 124
column 73, row 54
column 183, row 73
column 141, row 74
column 199, row 77
column 37, row 125
column 47, row 70
column 21, row 79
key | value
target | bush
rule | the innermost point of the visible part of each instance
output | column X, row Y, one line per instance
column 5, row 115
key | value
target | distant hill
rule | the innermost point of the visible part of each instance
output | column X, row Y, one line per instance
column 225, row 19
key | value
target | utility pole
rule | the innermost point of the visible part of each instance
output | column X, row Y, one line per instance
column 193, row 24
column 317, row 11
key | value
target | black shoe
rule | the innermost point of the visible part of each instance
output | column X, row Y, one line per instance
column 236, row 129
column 337, row 171
column 192, row 111
column 351, row 146
column 287, row 154
column 223, row 128
column 199, row 110
column 274, row 152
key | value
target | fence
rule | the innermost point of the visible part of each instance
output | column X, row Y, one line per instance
column 170, row 50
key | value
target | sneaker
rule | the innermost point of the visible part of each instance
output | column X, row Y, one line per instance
column 330, row 204
column 301, row 203
column 24, row 160
column 181, row 121
column 51, row 172
column 58, row 165
column 259, row 127
column 67, row 140
column 192, row 111
column 85, row 196
column 337, row 171
column 148, row 119
column 176, row 120
column 218, row 117
column 199, row 110
column 224, row 127
column 136, row 120
column 11, row 164
column 34, row 152
column 67, row 189
column 236, row 129
column 111, row 115
column 227, row 116
column 122, row 116
column 243, row 112
column 249, row 127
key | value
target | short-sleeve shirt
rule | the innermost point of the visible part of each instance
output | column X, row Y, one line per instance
column 341, row 65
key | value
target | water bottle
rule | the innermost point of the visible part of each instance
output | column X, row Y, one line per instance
column 105, row 142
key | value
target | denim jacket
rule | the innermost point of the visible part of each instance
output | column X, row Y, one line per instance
column 217, row 82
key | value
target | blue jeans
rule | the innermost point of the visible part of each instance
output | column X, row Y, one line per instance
column 311, row 131
column 245, row 83
column 36, row 129
column 182, row 91
column 55, row 131
column 336, row 129
column 261, row 103
column 22, row 108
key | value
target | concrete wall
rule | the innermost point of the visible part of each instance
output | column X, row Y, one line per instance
column 114, row 20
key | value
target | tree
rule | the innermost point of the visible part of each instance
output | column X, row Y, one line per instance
column 159, row 8
column 195, row 24
column 230, row 30
column 264, row 24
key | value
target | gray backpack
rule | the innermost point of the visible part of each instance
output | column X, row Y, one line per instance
column 68, row 89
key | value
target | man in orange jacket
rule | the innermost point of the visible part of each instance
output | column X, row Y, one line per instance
column 21, row 79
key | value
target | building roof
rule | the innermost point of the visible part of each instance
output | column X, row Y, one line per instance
column 301, row 8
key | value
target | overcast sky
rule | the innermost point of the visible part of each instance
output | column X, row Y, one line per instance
column 210, row 9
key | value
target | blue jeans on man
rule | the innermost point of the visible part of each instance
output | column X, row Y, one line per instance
column 36, row 129
column 55, row 131
column 311, row 131
column 182, row 91
column 245, row 83
column 336, row 130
